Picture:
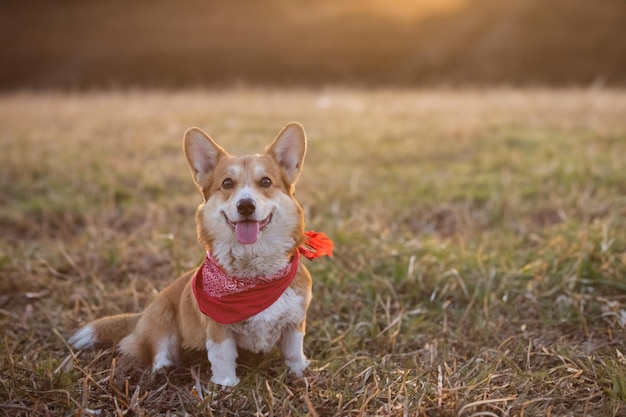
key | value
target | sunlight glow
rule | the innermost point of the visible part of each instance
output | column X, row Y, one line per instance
column 411, row 9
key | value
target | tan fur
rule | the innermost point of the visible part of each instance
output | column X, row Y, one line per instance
column 173, row 322
column 110, row 330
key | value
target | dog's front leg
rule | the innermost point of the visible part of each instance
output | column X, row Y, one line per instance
column 223, row 358
column 292, row 350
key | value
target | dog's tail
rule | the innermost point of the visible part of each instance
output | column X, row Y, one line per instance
column 105, row 331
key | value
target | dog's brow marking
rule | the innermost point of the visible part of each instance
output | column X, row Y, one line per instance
column 259, row 170
column 234, row 170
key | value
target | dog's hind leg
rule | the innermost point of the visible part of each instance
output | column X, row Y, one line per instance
column 155, row 340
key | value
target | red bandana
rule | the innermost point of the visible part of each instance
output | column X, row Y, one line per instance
column 229, row 299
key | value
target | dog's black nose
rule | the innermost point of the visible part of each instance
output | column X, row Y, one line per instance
column 246, row 206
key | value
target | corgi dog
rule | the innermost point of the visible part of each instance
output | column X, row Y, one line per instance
column 252, row 291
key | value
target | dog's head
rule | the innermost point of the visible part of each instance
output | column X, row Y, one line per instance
column 248, row 208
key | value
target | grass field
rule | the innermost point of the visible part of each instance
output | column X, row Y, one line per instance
column 480, row 249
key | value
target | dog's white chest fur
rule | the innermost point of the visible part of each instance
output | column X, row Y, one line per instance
column 261, row 332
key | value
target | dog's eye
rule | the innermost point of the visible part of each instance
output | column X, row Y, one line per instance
column 227, row 184
column 265, row 182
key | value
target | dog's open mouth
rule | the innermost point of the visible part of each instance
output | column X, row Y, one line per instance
column 247, row 231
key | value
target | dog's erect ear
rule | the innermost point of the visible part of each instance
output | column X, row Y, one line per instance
column 202, row 154
column 288, row 150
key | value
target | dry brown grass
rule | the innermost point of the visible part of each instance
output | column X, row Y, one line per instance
column 479, row 268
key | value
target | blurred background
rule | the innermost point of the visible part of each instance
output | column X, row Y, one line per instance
column 77, row 44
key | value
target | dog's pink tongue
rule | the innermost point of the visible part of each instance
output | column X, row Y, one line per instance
column 247, row 232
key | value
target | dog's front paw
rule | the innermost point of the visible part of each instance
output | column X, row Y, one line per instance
column 226, row 381
column 297, row 367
